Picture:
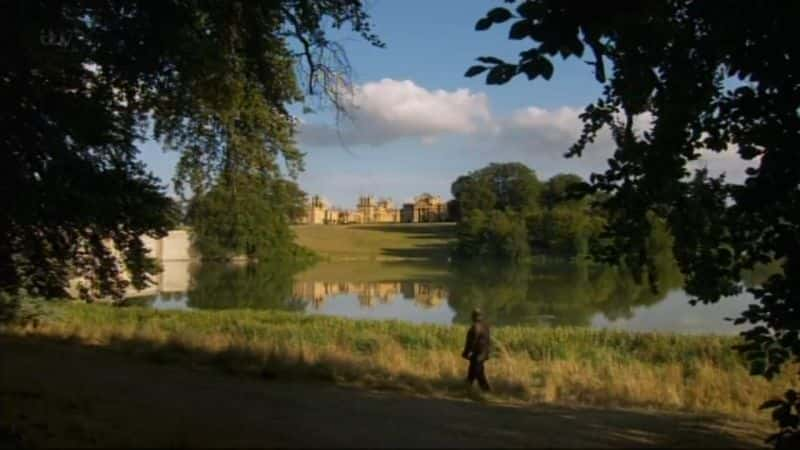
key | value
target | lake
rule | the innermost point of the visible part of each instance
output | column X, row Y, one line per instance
column 545, row 294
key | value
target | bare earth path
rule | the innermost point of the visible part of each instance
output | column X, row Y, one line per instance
column 65, row 395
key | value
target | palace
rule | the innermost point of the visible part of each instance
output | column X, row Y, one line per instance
column 424, row 208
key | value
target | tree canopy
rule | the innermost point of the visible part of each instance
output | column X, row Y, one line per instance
column 506, row 213
column 508, row 186
column 83, row 82
column 712, row 79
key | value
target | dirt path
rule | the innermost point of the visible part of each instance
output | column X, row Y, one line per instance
column 65, row 395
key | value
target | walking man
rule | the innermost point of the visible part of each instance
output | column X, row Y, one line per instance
column 476, row 350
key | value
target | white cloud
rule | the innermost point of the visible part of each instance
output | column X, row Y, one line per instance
column 537, row 129
column 540, row 138
column 388, row 110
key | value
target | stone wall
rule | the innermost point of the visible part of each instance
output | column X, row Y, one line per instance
column 175, row 246
column 173, row 251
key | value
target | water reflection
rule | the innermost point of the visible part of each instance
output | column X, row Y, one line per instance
column 544, row 294
column 370, row 294
column 555, row 293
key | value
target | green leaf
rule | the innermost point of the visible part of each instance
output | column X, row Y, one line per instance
column 499, row 15
column 757, row 367
column 529, row 9
column 491, row 60
column 483, row 24
column 475, row 70
column 520, row 30
column 546, row 68
column 500, row 74
column 530, row 69
column 576, row 47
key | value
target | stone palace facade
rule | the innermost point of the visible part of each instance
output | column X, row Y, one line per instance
column 424, row 208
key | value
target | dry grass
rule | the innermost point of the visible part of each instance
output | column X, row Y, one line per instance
column 562, row 365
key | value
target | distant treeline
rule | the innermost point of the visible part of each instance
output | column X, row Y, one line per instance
column 504, row 211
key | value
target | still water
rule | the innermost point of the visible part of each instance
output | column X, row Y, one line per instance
column 546, row 294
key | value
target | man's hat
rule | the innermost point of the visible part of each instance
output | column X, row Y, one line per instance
column 476, row 314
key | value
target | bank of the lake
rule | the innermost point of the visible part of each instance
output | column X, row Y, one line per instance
column 529, row 364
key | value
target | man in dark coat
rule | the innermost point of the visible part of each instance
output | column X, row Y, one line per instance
column 476, row 350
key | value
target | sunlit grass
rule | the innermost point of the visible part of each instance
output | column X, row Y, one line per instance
column 564, row 365
column 374, row 271
column 381, row 242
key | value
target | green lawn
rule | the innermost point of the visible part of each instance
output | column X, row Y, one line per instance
column 364, row 271
column 383, row 242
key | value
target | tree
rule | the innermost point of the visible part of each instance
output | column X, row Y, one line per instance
column 295, row 199
column 84, row 81
column 492, row 203
column 472, row 193
column 711, row 79
column 508, row 186
column 566, row 222
column 507, row 213
column 246, row 217
column 500, row 235
column 559, row 188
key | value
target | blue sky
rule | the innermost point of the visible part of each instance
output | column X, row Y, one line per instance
column 418, row 123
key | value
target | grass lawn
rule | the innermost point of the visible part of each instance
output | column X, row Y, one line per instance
column 378, row 242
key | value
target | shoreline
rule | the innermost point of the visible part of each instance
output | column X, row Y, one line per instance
column 109, row 399
column 530, row 365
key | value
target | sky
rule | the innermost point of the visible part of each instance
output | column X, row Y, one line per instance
column 416, row 123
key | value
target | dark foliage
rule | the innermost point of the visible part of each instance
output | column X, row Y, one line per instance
column 786, row 413
column 505, row 212
column 83, row 81
column 711, row 78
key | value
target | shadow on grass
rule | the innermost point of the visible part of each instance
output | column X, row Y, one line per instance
column 433, row 252
column 439, row 251
column 417, row 230
column 280, row 366
column 216, row 410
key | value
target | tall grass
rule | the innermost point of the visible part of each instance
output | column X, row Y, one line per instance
column 565, row 365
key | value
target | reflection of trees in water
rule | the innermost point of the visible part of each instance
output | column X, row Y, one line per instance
column 554, row 293
column 272, row 286
column 257, row 286
column 558, row 294
column 565, row 293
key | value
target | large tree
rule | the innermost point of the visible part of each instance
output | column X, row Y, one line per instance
column 83, row 81
column 711, row 78
column 501, row 186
